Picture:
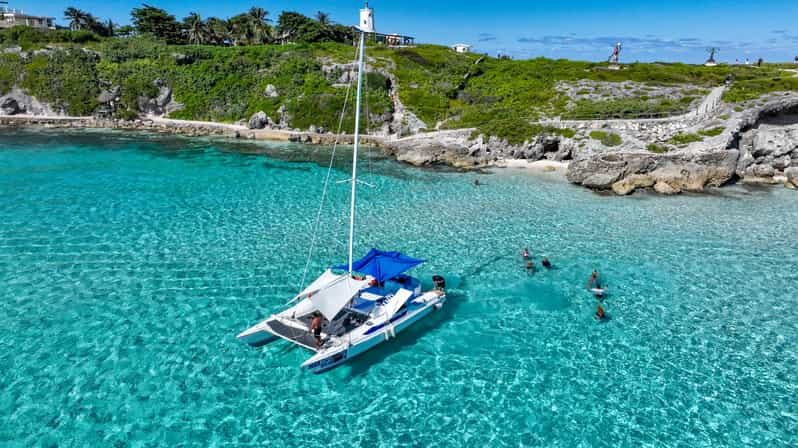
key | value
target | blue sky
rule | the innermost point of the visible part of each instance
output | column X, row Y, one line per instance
column 664, row 30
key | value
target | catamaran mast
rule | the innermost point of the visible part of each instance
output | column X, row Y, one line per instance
column 357, row 143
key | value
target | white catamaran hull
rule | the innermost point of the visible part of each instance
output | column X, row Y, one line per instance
column 339, row 354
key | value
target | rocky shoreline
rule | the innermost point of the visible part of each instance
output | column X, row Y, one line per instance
column 758, row 144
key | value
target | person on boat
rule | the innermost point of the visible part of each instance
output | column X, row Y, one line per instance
column 315, row 328
column 525, row 254
column 546, row 263
column 593, row 282
column 600, row 312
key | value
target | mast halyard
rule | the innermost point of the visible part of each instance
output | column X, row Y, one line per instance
column 357, row 144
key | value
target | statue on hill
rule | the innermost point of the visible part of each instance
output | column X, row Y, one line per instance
column 711, row 61
column 616, row 54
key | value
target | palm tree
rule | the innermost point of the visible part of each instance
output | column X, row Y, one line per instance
column 323, row 18
column 196, row 29
column 259, row 21
column 78, row 19
column 110, row 28
column 218, row 31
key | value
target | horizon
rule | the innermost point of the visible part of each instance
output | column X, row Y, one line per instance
column 525, row 30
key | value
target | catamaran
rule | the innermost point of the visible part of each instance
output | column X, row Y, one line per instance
column 356, row 306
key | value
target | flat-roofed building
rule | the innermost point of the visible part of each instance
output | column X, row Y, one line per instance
column 15, row 17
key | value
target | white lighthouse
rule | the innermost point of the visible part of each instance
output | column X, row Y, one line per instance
column 367, row 19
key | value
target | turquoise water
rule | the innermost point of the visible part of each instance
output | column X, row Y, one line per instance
column 128, row 263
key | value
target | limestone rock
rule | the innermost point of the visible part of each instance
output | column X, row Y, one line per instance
column 630, row 184
column 600, row 181
column 271, row 91
column 259, row 120
column 666, row 188
column 764, row 170
column 792, row 176
column 10, row 106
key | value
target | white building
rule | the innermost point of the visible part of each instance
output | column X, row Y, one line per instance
column 461, row 48
column 15, row 17
column 367, row 19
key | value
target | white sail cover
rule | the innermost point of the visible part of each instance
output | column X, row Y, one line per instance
column 325, row 279
column 397, row 301
column 336, row 295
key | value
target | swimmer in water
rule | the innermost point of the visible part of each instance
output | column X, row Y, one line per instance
column 546, row 263
column 477, row 183
column 525, row 254
column 593, row 282
column 600, row 313
column 530, row 266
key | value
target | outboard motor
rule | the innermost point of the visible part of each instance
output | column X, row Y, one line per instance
column 439, row 282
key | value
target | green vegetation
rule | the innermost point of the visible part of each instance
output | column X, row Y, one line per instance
column 685, row 139
column 518, row 134
column 714, row 132
column 658, row 149
column 606, row 138
column 751, row 89
column 67, row 79
column 219, row 69
column 10, row 67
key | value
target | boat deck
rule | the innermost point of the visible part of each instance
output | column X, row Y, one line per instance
column 292, row 334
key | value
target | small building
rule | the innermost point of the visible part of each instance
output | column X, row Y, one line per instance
column 461, row 48
column 366, row 26
column 367, row 19
column 15, row 17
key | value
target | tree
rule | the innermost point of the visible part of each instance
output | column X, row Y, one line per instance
column 196, row 31
column 241, row 29
column 159, row 23
column 110, row 28
column 296, row 28
column 218, row 31
column 323, row 18
column 77, row 18
column 262, row 31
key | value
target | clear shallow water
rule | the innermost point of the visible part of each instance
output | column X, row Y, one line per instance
column 128, row 263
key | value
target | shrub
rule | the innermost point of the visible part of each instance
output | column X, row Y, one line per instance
column 714, row 132
column 685, row 139
column 65, row 78
column 10, row 66
column 606, row 138
column 658, row 149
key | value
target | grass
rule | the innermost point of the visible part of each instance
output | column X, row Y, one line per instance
column 751, row 89
column 606, row 138
column 682, row 139
column 657, row 149
column 714, row 132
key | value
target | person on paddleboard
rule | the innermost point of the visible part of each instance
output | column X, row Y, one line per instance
column 593, row 282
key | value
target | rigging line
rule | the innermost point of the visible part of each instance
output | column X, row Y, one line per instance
column 368, row 122
column 326, row 185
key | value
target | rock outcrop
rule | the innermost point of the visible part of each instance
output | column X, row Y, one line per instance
column 271, row 91
column 682, row 171
column 259, row 120
column 10, row 106
column 161, row 104
column 29, row 105
column 767, row 152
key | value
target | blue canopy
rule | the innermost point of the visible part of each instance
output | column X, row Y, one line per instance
column 382, row 265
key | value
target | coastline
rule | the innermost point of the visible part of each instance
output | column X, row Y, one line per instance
column 188, row 128
column 738, row 155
